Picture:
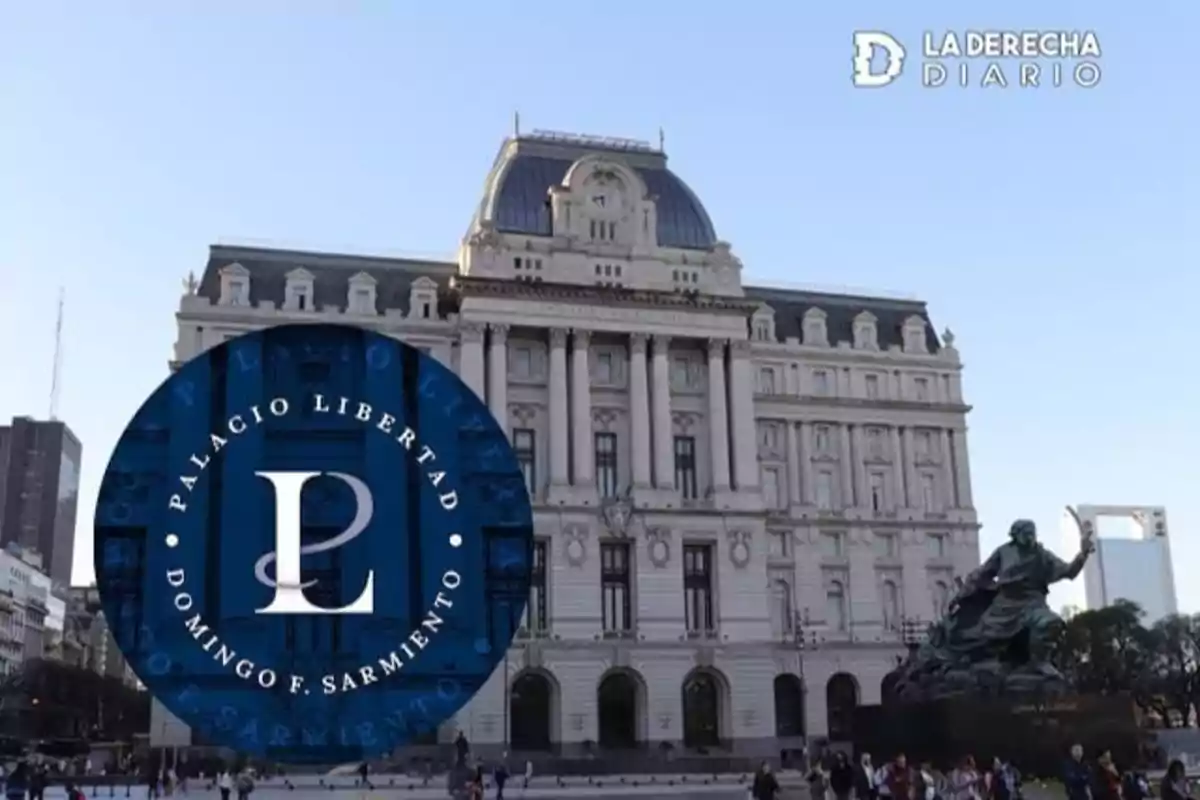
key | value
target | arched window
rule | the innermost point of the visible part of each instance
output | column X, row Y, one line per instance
column 781, row 608
column 891, row 605
column 618, row 703
column 789, row 706
column 941, row 599
column 530, row 708
column 835, row 606
column 701, row 710
column 841, row 699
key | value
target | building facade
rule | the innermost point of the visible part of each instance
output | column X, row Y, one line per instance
column 32, row 610
column 1137, row 569
column 39, row 491
column 744, row 497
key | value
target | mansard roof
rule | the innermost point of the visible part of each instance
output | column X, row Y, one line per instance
column 394, row 277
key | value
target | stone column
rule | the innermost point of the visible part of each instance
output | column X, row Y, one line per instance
column 795, row 492
column 962, row 468
column 858, row 455
column 639, row 412
column 718, row 416
column 498, row 374
column 664, row 454
column 807, row 489
column 947, row 459
column 581, row 408
column 847, row 459
column 470, row 357
column 898, row 469
column 741, row 396
column 559, row 449
column 909, row 464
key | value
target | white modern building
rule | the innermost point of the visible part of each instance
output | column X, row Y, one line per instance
column 744, row 497
column 32, row 615
column 1134, row 568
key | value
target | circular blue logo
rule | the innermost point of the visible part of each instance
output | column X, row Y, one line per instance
column 313, row 544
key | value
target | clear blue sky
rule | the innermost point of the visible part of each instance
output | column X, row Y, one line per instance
column 1055, row 231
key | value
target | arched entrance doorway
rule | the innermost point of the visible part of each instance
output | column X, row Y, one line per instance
column 841, row 698
column 619, row 698
column 789, row 706
column 702, row 702
column 887, row 688
column 531, row 704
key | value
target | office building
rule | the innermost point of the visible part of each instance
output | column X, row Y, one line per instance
column 1136, row 568
column 745, row 497
column 39, row 491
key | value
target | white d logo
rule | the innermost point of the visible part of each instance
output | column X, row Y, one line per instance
column 289, row 591
column 865, row 43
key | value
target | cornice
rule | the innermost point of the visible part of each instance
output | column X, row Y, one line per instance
column 468, row 286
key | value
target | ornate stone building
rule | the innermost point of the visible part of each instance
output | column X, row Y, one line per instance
column 744, row 497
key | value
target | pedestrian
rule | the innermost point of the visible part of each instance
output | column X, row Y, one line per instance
column 818, row 781
column 900, row 781
column 1005, row 781
column 38, row 778
column 364, row 771
column 462, row 749
column 225, row 782
column 963, row 782
column 1135, row 786
column 17, row 784
column 841, row 777
column 1077, row 776
column 765, row 786
column 477, row 783
column 864, row 779
column 1175, row 783
column 927, row 785
column 245, row 783
column 500, row 777
column 73, row 792
column 528, row 773
column 1107, row 778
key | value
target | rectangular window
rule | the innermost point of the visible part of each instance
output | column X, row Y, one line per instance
column 538, row 619
column 937, row 545
column 681, row 373
column 697, row 588
column 604, row 368
column 821, row 440
column 922, row 388
column 606, row 464
column 824, row 490
column 524, row 440
column 766, row 380
column 781, row 544
column 928, row 493
column 685, row 467
column 832, row 545
column 886, row 543
column 820, row 382
column 771, row 484
column 872, row 383
column 878, row 499
column 614, row 587
column 522, row 362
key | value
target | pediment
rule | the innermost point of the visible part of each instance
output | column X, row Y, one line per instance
column 425, row 283
column 300, row 274
column 235, row 270
column 363, row 279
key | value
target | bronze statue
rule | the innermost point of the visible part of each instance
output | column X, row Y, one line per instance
column 998, row 634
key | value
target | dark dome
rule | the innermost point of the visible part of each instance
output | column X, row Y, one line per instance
column 521, row 202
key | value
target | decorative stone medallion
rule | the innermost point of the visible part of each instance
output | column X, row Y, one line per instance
column 576, row 546
column 739, row 548
column 658, row 546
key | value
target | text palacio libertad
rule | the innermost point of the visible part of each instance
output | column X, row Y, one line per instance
column 366, row 674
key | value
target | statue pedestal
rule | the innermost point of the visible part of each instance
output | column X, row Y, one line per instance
column 1034, row 734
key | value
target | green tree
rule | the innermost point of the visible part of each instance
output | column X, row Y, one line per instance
column 1171, row 681
column 1107, row 650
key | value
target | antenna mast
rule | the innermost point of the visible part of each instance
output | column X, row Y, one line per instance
column 56, row 377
